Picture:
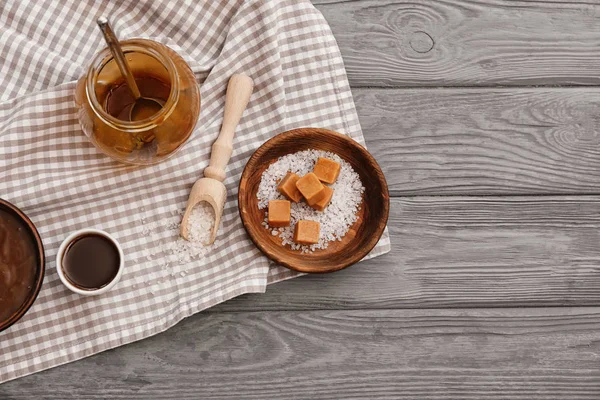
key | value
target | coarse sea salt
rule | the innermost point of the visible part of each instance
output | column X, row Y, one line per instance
column 337, row 218
column 200, row 225
column 173, row 248
column 201, row 222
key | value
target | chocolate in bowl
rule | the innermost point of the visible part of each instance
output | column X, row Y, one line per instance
column 21, row 264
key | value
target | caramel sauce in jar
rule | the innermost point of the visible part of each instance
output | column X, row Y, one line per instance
column 104, row 103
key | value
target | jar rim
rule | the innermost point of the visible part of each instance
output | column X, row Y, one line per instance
column 104, row 57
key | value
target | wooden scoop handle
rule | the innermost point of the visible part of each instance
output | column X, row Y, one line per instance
column 238, row 94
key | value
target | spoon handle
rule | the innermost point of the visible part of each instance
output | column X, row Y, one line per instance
column 238, row 94
column 115, row 48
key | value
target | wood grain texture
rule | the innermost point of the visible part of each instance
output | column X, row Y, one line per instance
column 463, row 252
column 361, row 237
column 466, row 43
column 376, row 330
column 384, row 354
column 484, row 141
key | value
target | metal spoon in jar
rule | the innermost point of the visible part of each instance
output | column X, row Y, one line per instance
column 143, row 107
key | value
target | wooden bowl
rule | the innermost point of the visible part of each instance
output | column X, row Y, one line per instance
column 362, row 236
column 40, row 264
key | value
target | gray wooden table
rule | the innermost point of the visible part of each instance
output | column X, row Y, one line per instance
column 485, row 116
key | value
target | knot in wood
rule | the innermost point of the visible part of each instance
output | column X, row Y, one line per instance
column 421, row 42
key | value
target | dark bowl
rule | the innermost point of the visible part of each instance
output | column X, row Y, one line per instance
column 362, row 236
column 41, row 261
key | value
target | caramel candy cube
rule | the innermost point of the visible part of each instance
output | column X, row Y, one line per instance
column 323, row 199
column 287, row 187
column 327, row 170
column 307, row 232
column 279, row 213
column 310, row 186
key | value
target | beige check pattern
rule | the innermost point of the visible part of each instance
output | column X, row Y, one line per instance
column 50, row 170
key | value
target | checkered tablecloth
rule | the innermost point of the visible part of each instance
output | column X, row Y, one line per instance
column 50, row 170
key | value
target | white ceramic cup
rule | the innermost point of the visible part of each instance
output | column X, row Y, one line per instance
column 61, row 253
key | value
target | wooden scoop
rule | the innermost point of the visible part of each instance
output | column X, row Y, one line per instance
column 211, row 188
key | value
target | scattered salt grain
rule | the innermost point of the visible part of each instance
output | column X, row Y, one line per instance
column 337, row 218
column 200, row 225
column 170, row 246
column 173, row 226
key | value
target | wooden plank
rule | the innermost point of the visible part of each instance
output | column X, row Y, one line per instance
column 484, row 141
column 375, row 354
column 466, row 43
column 463, row 252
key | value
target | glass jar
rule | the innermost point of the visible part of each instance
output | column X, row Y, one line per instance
column 160, row 73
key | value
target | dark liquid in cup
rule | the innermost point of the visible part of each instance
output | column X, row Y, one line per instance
column 120, row 100
column 91, row 261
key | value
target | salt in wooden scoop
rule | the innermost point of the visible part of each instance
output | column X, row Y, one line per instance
column 211, row 188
